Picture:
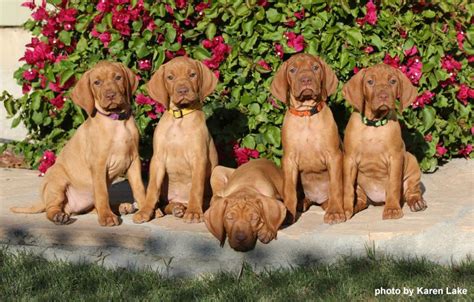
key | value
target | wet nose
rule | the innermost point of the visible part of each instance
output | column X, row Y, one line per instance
column 383, row 96
column 240, row 236
column 306, row 80
column 110, row 94
column 182, row 90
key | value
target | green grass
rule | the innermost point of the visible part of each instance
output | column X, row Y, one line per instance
column 27, row 277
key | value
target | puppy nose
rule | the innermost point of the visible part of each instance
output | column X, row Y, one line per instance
column 240, row 236
column 110, row 94
column 383, row 96
column 306, row 80
column 182, row 90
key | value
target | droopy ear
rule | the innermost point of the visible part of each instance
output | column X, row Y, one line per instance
column 82, row 94
column 131, row 77
column 406, row 91
column 208, row 81
column 274, row 212
column 214, row 218
column 280, row 85
column 219, row 178
column 156, row 87
column 329, row 79
column 353, row 90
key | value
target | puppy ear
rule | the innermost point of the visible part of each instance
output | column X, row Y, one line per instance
column 82, row 94
column 330, row 81
column 406, row 91
column 279, row 87
column 274, row 212
column 353, row 90
column 156, row 87
column 214, row 218
column 219, row 178
column 208, row 81
column 131, row 79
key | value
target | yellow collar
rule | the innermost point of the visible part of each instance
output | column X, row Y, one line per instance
column 179, row 113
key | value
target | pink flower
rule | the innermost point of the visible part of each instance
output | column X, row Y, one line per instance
column 40, row 14
column 356, row 70
column 144, row 64
column 141, row 99
column 180, row 3
column 30, row 74
column 394, row 62
column 470, row 59
column 465, row 151
column 263, row 3
column 429, row 137
column 264, row 65
column 105, row 38
column 402, row 33
column 169, row 9
column 159, row 108
column 48, row 159
column 472, row 130
column 202, row 6
column 290, row 23
column 464, row 94
column 413, row 70
column 450, row 64
column 423, row 99
column 104, row 6
column 279, row 50
column 30, row 4
column 300, row 15
column 440, row 150
column 274, row 103
column 411, row 52
column 243, row 155
column 371, row 15
column 460, row 37
column 25, row 88
column 449, row 81
column 369, row 49
column 219, row 51
column 295, row 41
column 217, row 73
column 58, row 101
column 120, row 21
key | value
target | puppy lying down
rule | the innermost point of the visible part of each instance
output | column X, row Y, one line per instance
column 246, row 204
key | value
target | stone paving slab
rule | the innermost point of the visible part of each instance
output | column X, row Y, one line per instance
column 444, row 233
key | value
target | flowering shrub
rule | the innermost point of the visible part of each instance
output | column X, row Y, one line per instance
column 244, row 43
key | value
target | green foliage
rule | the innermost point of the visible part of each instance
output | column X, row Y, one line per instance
column 241, row 109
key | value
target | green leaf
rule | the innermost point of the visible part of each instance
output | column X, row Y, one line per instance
column 273, row 15
column 65, row 37
column 273, row 136
column 428, row 13
column 211, row 31
column 428, row 117
column 248, row 142
column 66, row 75
column 354, row 36
column 254, row 108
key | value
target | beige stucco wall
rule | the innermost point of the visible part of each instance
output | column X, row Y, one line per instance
column 12, row 40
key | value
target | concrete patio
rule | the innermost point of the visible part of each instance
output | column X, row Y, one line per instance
column 444, row 233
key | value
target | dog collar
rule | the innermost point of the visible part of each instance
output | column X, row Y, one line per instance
column 374, row 123
column 117, row 116
column 179, row 113
column 310, row 112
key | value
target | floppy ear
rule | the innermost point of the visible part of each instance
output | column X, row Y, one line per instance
column 82, row 93
column 156, row 87
column 274, row 212
column 279, row 86
column 131, row 77
column 353, row 91
column 219, row 178
column 214, row 218
column 406, row 91
column 208, row 81
column 330, row 80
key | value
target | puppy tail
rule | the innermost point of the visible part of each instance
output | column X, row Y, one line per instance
column 37, row 208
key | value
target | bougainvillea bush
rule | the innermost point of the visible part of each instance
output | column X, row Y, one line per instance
column 244, row 43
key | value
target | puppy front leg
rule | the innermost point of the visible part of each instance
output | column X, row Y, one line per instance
column 194, row 212
column 290, row 177
column 101, row 196
column 411, row 184
column 392, row 209
column 335, row 212
column 349, row 179
column 134, row 175
column 157, row 174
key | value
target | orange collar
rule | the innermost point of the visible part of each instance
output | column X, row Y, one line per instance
column 310, row 112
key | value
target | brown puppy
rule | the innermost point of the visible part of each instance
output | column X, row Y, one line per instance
column 246, row 204
column 102, row 148
column 184, row 152
column 311, row 144
column 376, row 164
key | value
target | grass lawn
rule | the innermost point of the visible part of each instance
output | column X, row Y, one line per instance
column 27, row 277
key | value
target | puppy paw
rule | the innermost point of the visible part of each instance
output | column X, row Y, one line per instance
column 178, row 210
column 61, row 218
column 126, row 208
column 392, row 213
column 416, row 204
column 142, row 216
column 109, row 219
column 265, row 235
column 348, row 214
column 193, row 216
column 334, row 217
column 159, row 213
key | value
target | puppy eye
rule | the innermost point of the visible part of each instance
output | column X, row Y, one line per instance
column 192, row 75
column 393, row 81
column 371, row 82
column 170, row 77
column 118, row 78
column 315, row 67
column 254, row 217
column 97, row 82
column 292, row 70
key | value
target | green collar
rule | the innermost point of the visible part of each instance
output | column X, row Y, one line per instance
column 374, row 123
